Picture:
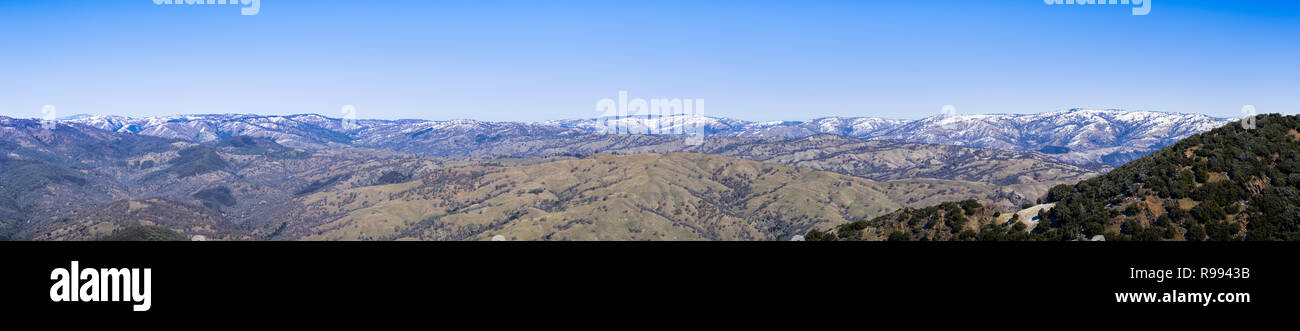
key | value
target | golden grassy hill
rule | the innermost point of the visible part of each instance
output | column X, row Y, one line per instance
column 679, row 196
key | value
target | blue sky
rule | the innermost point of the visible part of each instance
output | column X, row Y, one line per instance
column 538, row 60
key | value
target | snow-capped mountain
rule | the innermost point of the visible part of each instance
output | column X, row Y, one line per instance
column 846, row 126
column 1078, row 136
column 308, row 130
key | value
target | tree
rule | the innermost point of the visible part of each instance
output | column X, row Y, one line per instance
column 1196, row 233
column 956, row 222
column 970, row 206
column 1019, row 227
column 1170, row 232
column 1221, row 231
column 1208, row 211
column 818, row 235
column 899, row 236
column 1133, row 209
column 1129, row 227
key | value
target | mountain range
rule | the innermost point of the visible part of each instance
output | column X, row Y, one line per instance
column 1078, row 136
column 74, row 182
column 309, row 177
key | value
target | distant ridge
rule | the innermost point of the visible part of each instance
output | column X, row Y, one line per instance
column 1078, row 136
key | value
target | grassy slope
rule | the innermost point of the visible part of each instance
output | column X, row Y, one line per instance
column 678, row 196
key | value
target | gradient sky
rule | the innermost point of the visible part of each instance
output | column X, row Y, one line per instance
column 540, row 60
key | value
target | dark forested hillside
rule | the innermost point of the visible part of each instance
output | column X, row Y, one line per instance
column 1230, row 183
column 965, row 220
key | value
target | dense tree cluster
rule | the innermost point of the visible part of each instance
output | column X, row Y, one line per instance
column 965, row 220
column 1239, row 183
column 197, row 160
column 144, row 233
column 1230, row 183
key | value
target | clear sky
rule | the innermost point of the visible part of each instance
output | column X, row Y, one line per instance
column 537, row 60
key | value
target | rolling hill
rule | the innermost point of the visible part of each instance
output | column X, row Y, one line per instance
column 1027, row 174
column 678, row 196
